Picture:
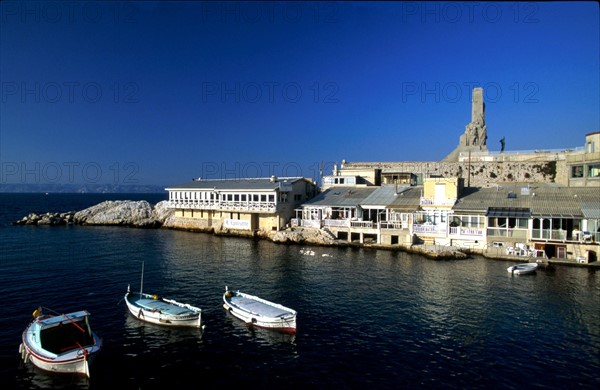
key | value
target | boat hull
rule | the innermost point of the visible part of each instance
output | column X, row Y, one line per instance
column 190, row 317
column 69, row 363
column 73, row 359
column 285, row 321
column 522, row 269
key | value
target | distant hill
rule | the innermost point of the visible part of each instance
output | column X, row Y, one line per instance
column 82, row 188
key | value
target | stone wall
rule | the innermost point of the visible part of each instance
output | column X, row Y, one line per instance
column 482, row 174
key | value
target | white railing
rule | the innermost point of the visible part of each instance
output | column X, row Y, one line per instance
column 466, row 231
column 228, row 206
column 362, row 224
column 425, row 201
column 336, row 222
column 311, row 223
column 429, row 229
column 393, row 225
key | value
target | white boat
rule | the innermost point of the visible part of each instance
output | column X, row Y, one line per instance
column 522, row 269
column 259, row 312
column 162, row 311
column 61, row 343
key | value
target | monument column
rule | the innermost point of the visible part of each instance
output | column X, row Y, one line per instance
column 474, row 139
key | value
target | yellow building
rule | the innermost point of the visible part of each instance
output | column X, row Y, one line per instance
column 439, row 196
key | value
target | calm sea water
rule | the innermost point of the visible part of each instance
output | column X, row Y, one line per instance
column 366, row 318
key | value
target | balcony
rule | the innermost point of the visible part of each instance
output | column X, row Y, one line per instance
column 397, row 225
column 466, row 231
column 429, row 229
column 263, row 207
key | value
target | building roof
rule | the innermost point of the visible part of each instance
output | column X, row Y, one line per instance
column 341, row 196
column 538, row 201
column 383, row 196
column 407, row 200
column 257, row 184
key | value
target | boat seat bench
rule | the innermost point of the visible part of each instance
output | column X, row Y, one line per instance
column 257, row 308
column 153, row 304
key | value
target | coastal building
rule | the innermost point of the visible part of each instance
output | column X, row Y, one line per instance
column 439, row 196
column 552, row 221
column 562, row 222
column 584, row 165
column 239, row 204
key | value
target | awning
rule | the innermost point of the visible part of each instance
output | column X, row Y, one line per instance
column 557, row 216
column 508, row 212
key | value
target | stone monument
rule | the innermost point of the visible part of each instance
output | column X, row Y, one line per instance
column 474, row 138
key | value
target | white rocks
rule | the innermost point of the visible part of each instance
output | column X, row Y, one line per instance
column 121, row 212
column 300, row 235
column 161, row 213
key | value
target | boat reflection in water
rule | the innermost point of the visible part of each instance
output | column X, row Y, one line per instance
column 261, row 335
column 33, row 377
column 156, row 336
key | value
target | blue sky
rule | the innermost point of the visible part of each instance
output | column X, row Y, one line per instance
column 160, row 92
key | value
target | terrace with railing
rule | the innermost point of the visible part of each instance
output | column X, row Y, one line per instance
column 466, row 231
column 429, row 229
column 197, row 204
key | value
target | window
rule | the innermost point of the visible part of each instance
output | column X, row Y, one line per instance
column 271, row 198
column 577, row 171
column 594, row 170
column 243, row 197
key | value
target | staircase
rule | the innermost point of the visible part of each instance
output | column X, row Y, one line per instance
column 579, row 257
column 329, row 233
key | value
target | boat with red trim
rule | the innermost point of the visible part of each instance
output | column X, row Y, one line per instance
column 60, row 343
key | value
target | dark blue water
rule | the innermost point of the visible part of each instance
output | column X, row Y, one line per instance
column 366, row 318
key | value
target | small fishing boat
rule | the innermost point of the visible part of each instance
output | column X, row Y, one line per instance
column 259, row 312
column 60, row 343
column 522, row 269
column 162, row 311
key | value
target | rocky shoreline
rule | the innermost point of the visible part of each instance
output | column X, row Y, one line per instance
column 141, row 214
column 119, row 213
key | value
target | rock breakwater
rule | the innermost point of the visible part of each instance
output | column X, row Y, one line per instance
column 119, row 212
